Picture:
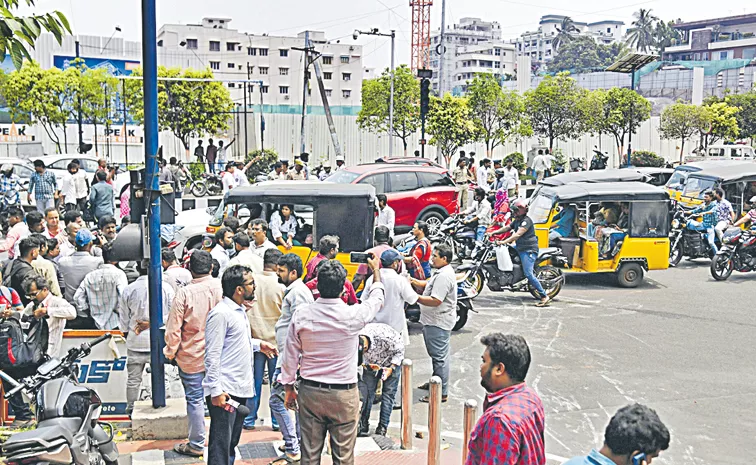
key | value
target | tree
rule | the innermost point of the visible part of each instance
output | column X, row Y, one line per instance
column 641, row 36
column 565, row 33
column 450, row 123
column 622, row 112
column 665, row 35
column 186, row 108
column 583, row 54
column 19, row 32
column 557, row 108
column 746, row 116
column 95, row 90
column 681, row 121
column 497, row 115
column 723, row 123
column 374, row 114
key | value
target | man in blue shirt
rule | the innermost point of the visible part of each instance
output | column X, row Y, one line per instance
column 44, row 185
column 709, row 212
column 563, row 226
column 635, row 436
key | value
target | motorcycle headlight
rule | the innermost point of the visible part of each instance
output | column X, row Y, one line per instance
column 675, row 223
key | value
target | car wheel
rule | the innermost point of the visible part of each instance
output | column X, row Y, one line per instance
column 433, row 219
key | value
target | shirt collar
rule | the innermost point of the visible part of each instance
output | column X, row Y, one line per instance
column 173, row 266
column 296, row 283
column 497, row 396
column 597, row 458
column 202, row 279
column 232, row 305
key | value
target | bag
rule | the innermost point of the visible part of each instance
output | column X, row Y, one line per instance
column 19, row 349
column 503, row 259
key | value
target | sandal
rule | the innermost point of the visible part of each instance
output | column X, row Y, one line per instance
column 285, row 460
column 426, row 399
column 543, row 303
column 186, row 449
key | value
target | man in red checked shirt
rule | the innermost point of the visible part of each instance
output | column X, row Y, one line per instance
column 510, row 431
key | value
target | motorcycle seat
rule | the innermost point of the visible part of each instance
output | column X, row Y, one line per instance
column 547, row 250
column 42, row 436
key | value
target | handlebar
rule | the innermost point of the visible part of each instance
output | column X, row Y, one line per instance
column 100, row 339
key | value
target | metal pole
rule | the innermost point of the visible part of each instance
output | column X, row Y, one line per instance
column 471, row 413
column 441, row 68
column 391, row 98
column 304, row 90
column 246, row 131
column 434, row 422
column 78, row 110
column 406, row 404
column 152, row 185
column 125, row 133
column 262, row 122
column 422, row 137
column 630, row 129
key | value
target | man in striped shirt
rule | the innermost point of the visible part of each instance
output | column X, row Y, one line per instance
column 99, row 292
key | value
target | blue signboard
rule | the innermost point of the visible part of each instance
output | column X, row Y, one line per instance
column 114, row 67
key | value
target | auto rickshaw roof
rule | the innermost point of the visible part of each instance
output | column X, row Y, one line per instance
column 299, row 190
column 650, row 170
column 607, row 191
column 597, row 176
column 706, row 164
column 731, row 172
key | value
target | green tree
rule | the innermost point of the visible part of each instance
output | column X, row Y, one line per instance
column 18, row 33
column 723, row 123
column 582, row 53
column 186, row 108
column 665, row 35
column 641, row 36
column 622, row 111
column 681, row 121
column 557, row 109
column 450, row 123
column 497, row 115
column 746, row 116
column 565, row 33
column 374, row 114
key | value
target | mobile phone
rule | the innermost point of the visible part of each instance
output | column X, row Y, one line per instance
column 639, row 459
column 231, row 405
column 360, row 257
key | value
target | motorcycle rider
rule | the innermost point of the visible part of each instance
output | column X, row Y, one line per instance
column 481, row 212
column 725, row 212
column 527, row 245
column 709, row 213
column 749, row 216
column 10, row 186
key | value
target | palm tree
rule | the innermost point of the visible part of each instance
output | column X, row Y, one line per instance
column 666, row 36
column 566, row 30
column 642, row 36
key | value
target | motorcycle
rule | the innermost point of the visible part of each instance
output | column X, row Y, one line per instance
column 68, row 427
column 599, row 161
column 738, row 252
column 457, row 235
column 685, row 242
column 197, row 187
column 213, row 183
column 464, row 305
column 576, row 164
column 501, row 270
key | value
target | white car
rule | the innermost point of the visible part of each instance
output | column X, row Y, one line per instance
column 191, row 226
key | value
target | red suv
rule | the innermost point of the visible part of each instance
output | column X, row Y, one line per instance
column 416, row 193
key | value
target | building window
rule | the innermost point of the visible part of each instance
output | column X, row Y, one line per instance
column 231, row 85
column 346, row 76
column 496, row 64
column 327, row 60
column 231, row 46
column 345, row 60
column 346, row 93
column 497, row 52
column 215, row 65
column 283, row 89
column 264, row 89
column 328, row 92
column 191, row 44
column 263, row 69
column 327, row 76
column 283, row 71
column 283, row 52
column 251, row 51
column 214, row 46
column 231, row 66
column 608, row 30
column 722, row 55
column 263, row 52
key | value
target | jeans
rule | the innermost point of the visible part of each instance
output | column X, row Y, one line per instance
column 437, row 343
column 225, row 432
column 697, row 226
column 260, row 361
column 211, row 166
column 195, row 407
column 528, row 260
column 370, row 382
column 480, row 233
column 135, row 364
column 289, row 427
column 44, row 204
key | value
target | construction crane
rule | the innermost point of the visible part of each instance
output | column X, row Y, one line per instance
column 420, row 34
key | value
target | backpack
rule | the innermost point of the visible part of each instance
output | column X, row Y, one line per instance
column 22, row 349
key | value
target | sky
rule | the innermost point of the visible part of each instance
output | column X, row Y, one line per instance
column 339, row 18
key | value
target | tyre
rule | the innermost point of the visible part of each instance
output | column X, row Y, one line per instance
column 199, row 189
column 676, row 254
column 630, row 275
column 721, row 267
column 551, row 279
column 462, row 312
column 214, row 189
column 433, row 219
column 476, row 282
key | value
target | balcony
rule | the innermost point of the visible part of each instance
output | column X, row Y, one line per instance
column 718, row 41
column 733, row 43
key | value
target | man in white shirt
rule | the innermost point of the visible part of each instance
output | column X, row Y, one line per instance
column 542, row 163
column 258, row 231
column 81, row 181
column 68, row 188
column 398, row 293
column 340, row 165
column 229, row 181
column 173, row 273
column 482, row 174
column 244, row 256
column 386, row 214
column 224, row 241
column 481, row 213
column 277, row 174
column 511, row 179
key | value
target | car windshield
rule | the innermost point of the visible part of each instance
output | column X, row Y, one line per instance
column 677, row 179
column 342, row 177
column 696, row 187
column 540, row 207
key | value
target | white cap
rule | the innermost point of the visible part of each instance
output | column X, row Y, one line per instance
column 340, row 158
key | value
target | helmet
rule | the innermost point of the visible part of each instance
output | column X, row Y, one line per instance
column 500, row 171
column 520, row 207
column 340, row 158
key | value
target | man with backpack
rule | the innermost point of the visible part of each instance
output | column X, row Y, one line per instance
column 52, row 309
column 21, row 267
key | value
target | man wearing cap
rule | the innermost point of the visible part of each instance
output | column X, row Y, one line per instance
column 340, row 163
column 305, row 157
column 75, row 268
column 229, row 182
column 277, row 173
column 299, row 173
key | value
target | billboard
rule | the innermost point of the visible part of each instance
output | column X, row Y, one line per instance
column 114, row 67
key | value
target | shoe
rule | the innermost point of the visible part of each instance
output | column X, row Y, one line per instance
column 186, row 449
column 397, row 407
column 276, row 428
column 424, row 387
column 364, row 430
column 380, row 430
column 426, row 399
column 19, row 423
column 249, row 428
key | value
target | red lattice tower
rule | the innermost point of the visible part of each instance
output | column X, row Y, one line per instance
column 420, row 33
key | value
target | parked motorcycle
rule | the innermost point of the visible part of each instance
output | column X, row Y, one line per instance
column 503, row 270
column 599, row 160
column 197, row 187
column 457, row 235
column 738, row 253
column 684, row 242
column 213, row 183
column 68, row 427
column 576, row 164
column 464, row 305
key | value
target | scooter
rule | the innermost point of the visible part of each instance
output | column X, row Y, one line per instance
column 576, row 164
column 68, row 427
column 599, row 160
column 464, row 305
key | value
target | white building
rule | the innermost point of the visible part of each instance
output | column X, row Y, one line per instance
column 494, row 57
column 538, row 44
column 469, row 31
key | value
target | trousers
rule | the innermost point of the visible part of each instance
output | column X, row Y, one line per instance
column 528, row 265
column 462, row 196
column 260, row 362
column 135, row 363
column 225, row 432
column 438, row 343
column 289, row 427
column 697, row 226
column 195, row 407
column 370, row 382
column 332, row 411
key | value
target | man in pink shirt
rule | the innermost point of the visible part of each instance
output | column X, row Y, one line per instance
column 185, row 343
column 18, row 230
column 329, row 248
column 326, row 336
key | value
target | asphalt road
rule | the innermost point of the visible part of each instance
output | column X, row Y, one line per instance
column 680, row 343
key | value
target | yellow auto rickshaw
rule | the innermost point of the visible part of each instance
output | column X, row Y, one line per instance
column 616, row 227
column 676, row 182
column 737, row 179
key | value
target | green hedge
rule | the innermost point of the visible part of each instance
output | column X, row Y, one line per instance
column 643, row 158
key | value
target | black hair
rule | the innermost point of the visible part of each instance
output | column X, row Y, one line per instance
column 102, row 176
column 242, row 239
column 272, row 257
column 328, row 243
column 71, row 216
column 201, row 262
column 260, row 222
column 232, row 223
column 719, row 191
column 27, row 245
column 215, row 272
column 125, row 220
column 34, row 218
column 39, row 164
column 51, row 209
column 445, row 251
column 219, row 234
column 461, row 160
column 423, row 226
column 168, row 255
column 41, row 240
column 707, row 193
column 106, row 220
column 71, row 166
column 512, row 351
column 636, row 428
column 292, row 262
column 172, row 161
column 304, row 156
column 277, row 165
column 15, row 211
column 382, row 234
column 37, row 279
column 289, row 206
column 331, row 278
column 51, row 244
column 107, row 253
column 233, row 277
column 480, row 192
column 382, row 197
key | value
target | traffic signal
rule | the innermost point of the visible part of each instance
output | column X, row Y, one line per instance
column 424, row 96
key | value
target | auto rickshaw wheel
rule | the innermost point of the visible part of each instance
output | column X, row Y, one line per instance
column 630, row 274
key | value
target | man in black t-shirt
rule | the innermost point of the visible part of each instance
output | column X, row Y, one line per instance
column 527, row 245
